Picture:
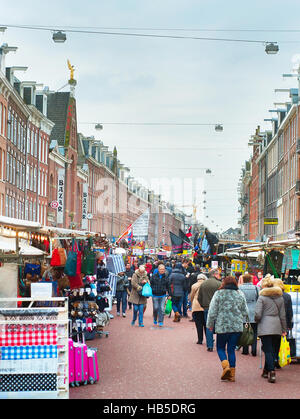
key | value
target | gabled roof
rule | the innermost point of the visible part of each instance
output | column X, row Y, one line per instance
column 57, row 112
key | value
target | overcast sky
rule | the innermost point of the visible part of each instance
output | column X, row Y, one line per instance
column 139, row 79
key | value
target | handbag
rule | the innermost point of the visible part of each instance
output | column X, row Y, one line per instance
column 33, row 269
column 247, row 336
column 89, row 261
column 284, row 356
column 71, row 262
column 62, row 255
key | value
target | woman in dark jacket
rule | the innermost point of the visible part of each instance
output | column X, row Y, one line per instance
column 177, row 287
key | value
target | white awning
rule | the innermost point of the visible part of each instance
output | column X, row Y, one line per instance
column 8, row 245
column 15, row 222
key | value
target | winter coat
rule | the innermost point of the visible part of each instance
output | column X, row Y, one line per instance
column 177, row 283
column 251, row 294
column 270, row 312
column 193, row 279
column 194, row 296
column 122, row 283
column 227, row 310
column 207, row 291
column 159, row 285
column 136, row 285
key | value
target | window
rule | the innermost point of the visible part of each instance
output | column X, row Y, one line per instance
column 1, row 117
column 35, row 143
column 34, row 179
column 3, row 165
column 9, row 124
column 14, row 172
column 40, row 147
column 45, row 185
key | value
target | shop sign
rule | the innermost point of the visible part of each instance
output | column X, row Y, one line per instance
column 84, row 221
column 271, row 221
column 60, row 195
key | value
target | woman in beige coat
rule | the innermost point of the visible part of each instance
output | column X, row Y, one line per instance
column 271, row 324
column 197, row 310
column 138, row 280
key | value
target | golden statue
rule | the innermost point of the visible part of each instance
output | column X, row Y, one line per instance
column 71, row 68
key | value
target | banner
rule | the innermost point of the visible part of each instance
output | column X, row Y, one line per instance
column 84, row 220
column 60, row 195
column 177, row 243
column 141, row 226
column 126, row 235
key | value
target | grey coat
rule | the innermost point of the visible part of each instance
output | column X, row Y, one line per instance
column 270, row 312
column 251, row 294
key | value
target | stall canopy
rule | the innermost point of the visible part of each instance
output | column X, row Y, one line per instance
column 8, row 245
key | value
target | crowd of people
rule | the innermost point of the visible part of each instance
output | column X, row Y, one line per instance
column 220, row 305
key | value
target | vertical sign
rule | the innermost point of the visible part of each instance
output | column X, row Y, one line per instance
column 84, row 221
column 60, row 195
column 140, row 226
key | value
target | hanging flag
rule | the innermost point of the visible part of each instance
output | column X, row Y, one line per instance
column 177, row 243
column 189, row 232
column 126, row 233
column 186, row 241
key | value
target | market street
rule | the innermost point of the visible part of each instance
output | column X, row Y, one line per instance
column 154, row 363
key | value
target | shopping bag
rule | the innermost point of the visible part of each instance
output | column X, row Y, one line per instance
column 168, row 308
column 147, row 290
column 292, row 342
column 71, row 262
column 55, row 259
column 284, row 357
column 32, row 268
column 247, row 336
column 62, row 255
column 88, row 266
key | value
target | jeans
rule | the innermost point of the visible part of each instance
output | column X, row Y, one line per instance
column 138, row 309
column 159, row 308
column 121, row 296
column 209, row 333
column 185, row 302
column 231, row 340
column 254, row 344
column 270, row 346
column 176, row 304
column 200, row 324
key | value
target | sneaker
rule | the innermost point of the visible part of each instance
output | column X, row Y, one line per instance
column 160, row 324
column 141, row 325
column 209, row 349
column 124, row 315
column 111, row 316
column 118, row 314
column 132, row 323
column 155, row 322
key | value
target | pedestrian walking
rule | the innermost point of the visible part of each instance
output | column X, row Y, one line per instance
column 251, row 294
column 197, row 310
column 129, row 271
column 226, row 314
column 288, row 312
column 160, row 285
column 205, row 295
column 271, row 320
column 177, row 288
column 121, row 293
column 139, row 279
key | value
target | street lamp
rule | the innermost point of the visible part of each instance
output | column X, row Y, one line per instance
column 59, row 37
column 219, row 128
column 98, row 127
column 271, row 48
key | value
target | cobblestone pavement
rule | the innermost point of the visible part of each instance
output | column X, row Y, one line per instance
column 166, row 363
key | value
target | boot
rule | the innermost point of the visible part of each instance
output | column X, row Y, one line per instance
column 176, row 317
column 265, row 374
column 226, row 370
column 232, row 375
column 272, row 377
